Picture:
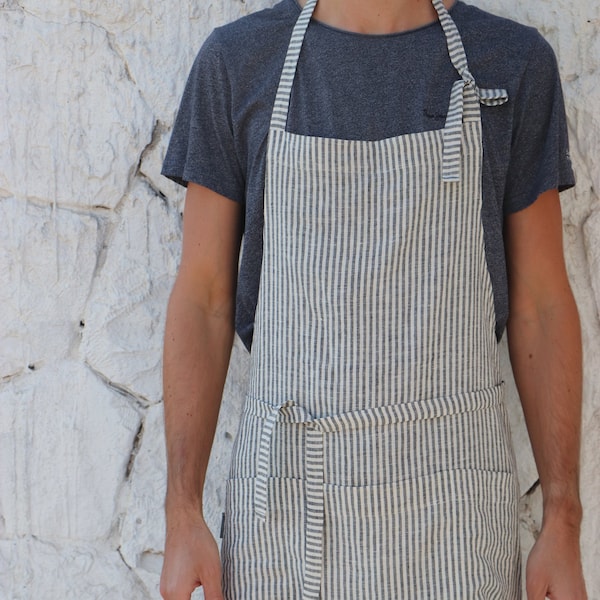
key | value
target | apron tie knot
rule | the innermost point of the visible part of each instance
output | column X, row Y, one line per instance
column 467, row 77
column 465, row 98
column 293, row 414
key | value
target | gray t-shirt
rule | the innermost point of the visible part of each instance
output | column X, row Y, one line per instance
column 368, row 87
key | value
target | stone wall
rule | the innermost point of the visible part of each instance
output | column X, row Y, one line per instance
column 89, row 245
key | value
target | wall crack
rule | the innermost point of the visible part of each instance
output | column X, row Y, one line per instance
column 137, row 399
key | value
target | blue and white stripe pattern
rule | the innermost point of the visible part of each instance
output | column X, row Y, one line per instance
column 464, row 91
column 284, row 91
column 374, row 455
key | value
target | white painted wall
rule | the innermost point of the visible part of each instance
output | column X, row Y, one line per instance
column 89, row 245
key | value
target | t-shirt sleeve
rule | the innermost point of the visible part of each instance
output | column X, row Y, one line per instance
column 540, row 148
column 202, row 145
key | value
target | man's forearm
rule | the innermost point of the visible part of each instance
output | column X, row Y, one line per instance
column 545, row 349
column 196, row 356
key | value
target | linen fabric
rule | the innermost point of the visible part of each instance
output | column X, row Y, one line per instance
column 374, row 457
column 369, row 87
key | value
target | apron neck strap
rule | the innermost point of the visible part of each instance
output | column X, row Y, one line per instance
column 456, row 51
column 284, row 91
column 458, row 57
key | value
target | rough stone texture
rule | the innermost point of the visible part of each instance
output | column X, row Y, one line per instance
column 89, row 245
column 142, row 527
column 65, row 441
column 591, row 232
column 31, row 568
column 63, row 138
column 122, row 338
column 141, row 506
column 47, row 261
column 580, row 256
column 156, row 40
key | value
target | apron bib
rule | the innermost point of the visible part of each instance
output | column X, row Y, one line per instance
column 374, row 458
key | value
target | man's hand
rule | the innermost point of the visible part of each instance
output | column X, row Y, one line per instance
column 554, row 565
column 191, row 559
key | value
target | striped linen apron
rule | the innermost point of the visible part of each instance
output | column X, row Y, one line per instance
column 374, row 458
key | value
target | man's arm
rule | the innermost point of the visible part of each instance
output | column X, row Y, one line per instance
column 198, row 338
column 545, row 349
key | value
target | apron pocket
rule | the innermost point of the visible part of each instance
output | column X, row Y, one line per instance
column 447, row 535
column 263, row 559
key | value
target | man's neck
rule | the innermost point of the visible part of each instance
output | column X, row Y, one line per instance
column 376, row 16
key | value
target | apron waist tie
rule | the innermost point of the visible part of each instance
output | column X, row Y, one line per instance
column 271, row 413
column 313, row 490
column 288, row 411
column 316, row 427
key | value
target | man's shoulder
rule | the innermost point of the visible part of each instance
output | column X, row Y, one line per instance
column 472, row 20
column 499, row 46
column 257, row 33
